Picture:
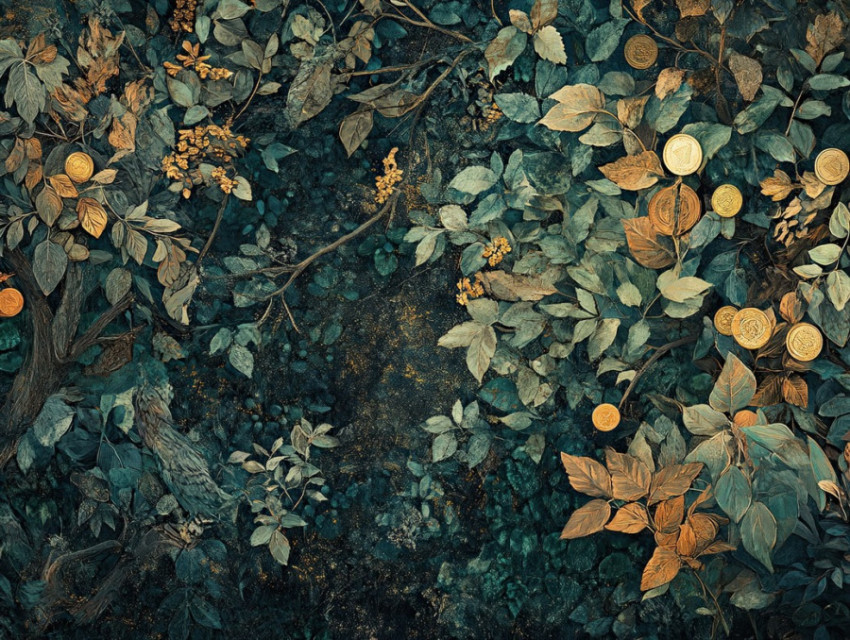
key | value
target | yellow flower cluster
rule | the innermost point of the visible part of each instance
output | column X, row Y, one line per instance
column 496, row 250
column 392, row 176
column 183, row 18
column 469, row 290
column 203, row 143
column 193, row 58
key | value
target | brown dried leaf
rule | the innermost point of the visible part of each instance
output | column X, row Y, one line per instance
column 704, row 529
column 34, row 175
column 791, row 307
column 824, row 35
column 777, row 187
column 543, row 12
column 122, row 137
column 587, row 476
column 635, row 172
column 630, row 518
column 39, row 52
column 521, row 21
column 509, row 286
column 686, row 545
column 92, row 216
column 16, row 156
column 673, row 481
column 717, row 547
column 354, row 129
column 662, row 567
column 769, row 391
column 812, row 185
column 630, row 477
column 630, row 110
column 795, row 391
column 693, row 7
column 648, row 247
column 63, row 185
column 586, row 520
column 639, row 6
column 747, row 74
column 578, row 106
column 669, row 514
column 669, row 81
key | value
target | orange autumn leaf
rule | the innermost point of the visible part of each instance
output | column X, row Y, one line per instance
column 686, row 545
column 63, row 185
column 629, row 476
column 587, row 476
column 778, row 187
column 662, row 567
column 648, row 247
column 92, row 216
column 630, row 518
column 669, row 81
column 795, row 391
column 636, row 172
column 824, row 35
column 587, row 520
column 669, row 514
column 673, row 481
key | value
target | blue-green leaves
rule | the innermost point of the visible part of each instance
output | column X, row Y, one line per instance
column 734, row 388
column 733, row 493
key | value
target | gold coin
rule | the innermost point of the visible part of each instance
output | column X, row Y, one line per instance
column 674, row 211
column 641, row 52
column 79, row 166
column 723, row 319
column 11, row 302
column 605, row 417
column 751, row 328
column 682, row 154
column 804, row 341
column 832, row 166
column 727, row 200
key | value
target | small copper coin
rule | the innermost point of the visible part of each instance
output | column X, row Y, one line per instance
column 674, row 210
column 727, row 200
column 751, row 328
column 804, row 342
column 605, row 417
column 832, row 166
column 723, row 319
column 682, row 154
column 79, row 166
column 641, row 51
column 11, row 302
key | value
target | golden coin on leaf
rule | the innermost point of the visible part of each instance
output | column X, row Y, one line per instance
column 751, row 328
column 605, row 417
column 674, row 210
column 79, row 166
column 723, row 319
column 804, row 341
column 682, row 154
column 11, row 302
column 727, row 200
column 832, row 166
column 641, row 52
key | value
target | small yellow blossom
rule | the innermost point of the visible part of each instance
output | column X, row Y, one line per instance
column 392, row 176
column 469, row 290
column 496, row 250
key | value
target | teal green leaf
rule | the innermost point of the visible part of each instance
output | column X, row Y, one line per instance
column 758, row 533
column 733, row 493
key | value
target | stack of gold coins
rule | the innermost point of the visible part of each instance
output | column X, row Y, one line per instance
column 804, row 342
column 641, row 52
column 832, row 166
column 727, row 200
column 682, row 154
column 751, row 328
column 605, row 417
column 723, row 319
column 674, row 210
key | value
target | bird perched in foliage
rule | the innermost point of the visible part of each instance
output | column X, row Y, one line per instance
column 183, row 468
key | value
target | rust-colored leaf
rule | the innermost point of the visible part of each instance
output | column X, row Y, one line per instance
column 769, row 391
column 16, row 156
column 63, row 185
column 587, row 476
column 686, row 545
column 576, row 109
column 673, row 480
column 511, row 286
column 669, row 514
column 718, row 547
column 747, row 74
column 704, row 528
column 694, row 8
column 795, row 391
column 639, row 6
column 636, row 172
column 662, row 567
column 778, row 187
column 92, row 216
column 630, row 518
column 648, row 247
column 669, row 81
column 667, row 540
column 630, row 477
column 791, row 307
column 824, row 35
column 630, row 110
column 586, row 520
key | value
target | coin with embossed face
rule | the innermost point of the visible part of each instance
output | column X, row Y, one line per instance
column 751, row 328
column 804, row 341
column 641, row 51
column 674, row 210
column 727, row 200
column 682, row 154
column 605, row 417
column 832, row 166
column 723, row 319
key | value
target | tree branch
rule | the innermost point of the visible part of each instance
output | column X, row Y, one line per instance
column 646, row 365
column 90, row 337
